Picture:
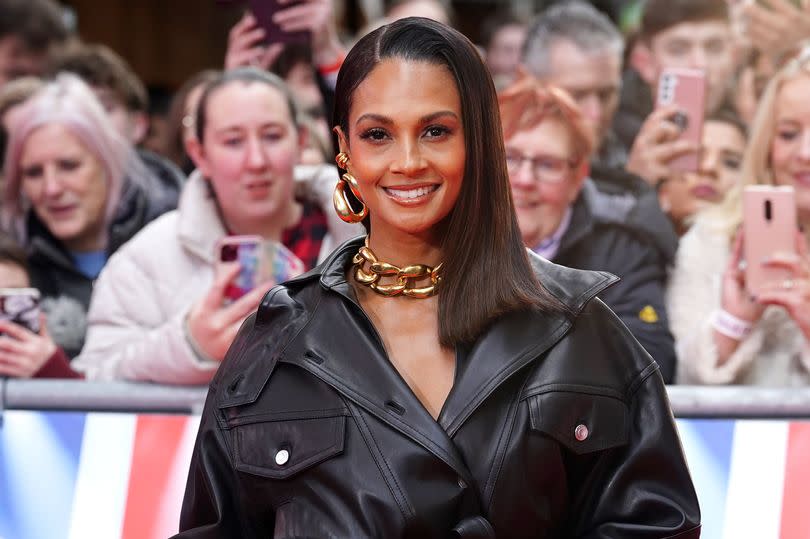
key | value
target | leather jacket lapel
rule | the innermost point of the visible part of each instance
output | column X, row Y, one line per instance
column 341, row 347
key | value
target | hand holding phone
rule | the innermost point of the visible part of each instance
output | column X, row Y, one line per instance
column 770, row 227
column 25, row 345
column 686, row 90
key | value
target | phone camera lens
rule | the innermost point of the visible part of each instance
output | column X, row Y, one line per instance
column 229, row 253
column 681, row 120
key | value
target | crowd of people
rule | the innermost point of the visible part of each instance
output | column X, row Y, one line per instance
column 122, row 242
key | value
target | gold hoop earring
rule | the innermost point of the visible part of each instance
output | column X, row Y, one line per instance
column 342, row 159
column 341, row 201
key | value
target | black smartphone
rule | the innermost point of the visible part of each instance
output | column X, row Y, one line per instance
column 264, row 10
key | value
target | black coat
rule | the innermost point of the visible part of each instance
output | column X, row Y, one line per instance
column 598, row 238
column 309, row 431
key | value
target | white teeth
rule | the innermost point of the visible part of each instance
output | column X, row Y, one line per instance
column 411, row 193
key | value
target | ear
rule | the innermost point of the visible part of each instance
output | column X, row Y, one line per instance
column 196, row 151
column 140, row 126
column 643, row 61
column 343, row 140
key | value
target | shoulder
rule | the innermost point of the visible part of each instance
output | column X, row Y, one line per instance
column 574, row 287
column 599, row 353
column 158, row 233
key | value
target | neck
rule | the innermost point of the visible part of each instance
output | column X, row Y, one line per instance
column 94, row 240
column 268, row 227
column 405, row 249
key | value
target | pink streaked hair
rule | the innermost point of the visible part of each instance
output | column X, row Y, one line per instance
column 69, row 102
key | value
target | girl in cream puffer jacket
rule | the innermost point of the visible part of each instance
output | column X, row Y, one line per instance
column 137, row 318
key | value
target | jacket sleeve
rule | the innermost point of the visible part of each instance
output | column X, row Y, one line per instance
column 210, row 507
column 693, row 294
column 641, row 489
column 128, row 336
column 638, row 298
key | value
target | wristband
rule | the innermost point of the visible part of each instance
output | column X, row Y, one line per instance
column 729, row 325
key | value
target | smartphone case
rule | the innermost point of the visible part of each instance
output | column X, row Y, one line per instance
column 264, row 10
column 685, row 88
column 21, row 306
column 769, row 226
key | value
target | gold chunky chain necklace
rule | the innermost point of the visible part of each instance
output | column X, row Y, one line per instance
column 369, row 271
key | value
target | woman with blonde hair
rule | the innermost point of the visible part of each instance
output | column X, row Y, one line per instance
column 723, row 334
column 75, row 191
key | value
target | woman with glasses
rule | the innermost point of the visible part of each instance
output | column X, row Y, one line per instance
column 565, row 219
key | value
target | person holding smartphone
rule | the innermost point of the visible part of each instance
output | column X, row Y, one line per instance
column 434, row 378
column 726, row 331
column 25, row 352
column 163, row 309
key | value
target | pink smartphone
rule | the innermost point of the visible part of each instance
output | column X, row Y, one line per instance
column 769, row 226
column 21, row 306
column 246, row 250
column 686, row 89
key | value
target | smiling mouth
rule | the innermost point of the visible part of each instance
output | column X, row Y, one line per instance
column 416, row 194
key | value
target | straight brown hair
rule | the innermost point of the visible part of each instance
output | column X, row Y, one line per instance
column 487, row 272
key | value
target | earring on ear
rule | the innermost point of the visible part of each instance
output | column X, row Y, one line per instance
column 340, row 198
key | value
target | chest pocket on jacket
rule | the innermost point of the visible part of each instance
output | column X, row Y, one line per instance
column 281, row 448
column 581, row 422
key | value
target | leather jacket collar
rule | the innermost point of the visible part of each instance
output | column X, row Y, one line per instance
column 341, row 347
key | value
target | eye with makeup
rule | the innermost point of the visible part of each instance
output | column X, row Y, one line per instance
column 68, row 165
column 374, row 134
column 438, row 132
column 732, row 162
column 32, row 172
column 787, row 134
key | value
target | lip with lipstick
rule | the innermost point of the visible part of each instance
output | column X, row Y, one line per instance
column 412, row 195
column 258, row 188
column 61, row 211
column 705, row 192
column 802, row 178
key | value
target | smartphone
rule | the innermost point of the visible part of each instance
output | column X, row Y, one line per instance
column 264, row 10
column 21, row 306
column 686, row 89
column 245, row 250
column 279, row 263
column 769, row 226
column 259, row 261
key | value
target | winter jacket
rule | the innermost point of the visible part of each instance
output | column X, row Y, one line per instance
column 556, row 426
column 598, row 239
column 65, row 290
column 137, row 319
column 776, row 353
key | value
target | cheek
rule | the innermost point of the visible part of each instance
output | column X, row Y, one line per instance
column 781, row 154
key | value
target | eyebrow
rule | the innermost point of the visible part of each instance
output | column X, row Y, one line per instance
column 388, row 121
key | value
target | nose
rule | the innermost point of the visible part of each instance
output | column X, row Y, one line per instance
column 697, row 59
column 256, row 157
column 410, row 161
column 592, row 109
column 522, row 177
column 804, row 149
column 52, row 184
column 708, row 163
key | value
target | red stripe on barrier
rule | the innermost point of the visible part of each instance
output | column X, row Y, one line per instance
column 795, row 513
column 156, row 441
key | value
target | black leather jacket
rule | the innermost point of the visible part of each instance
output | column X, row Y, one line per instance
column 553, row 428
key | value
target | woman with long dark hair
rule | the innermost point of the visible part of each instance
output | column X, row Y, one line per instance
column 434, row 378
